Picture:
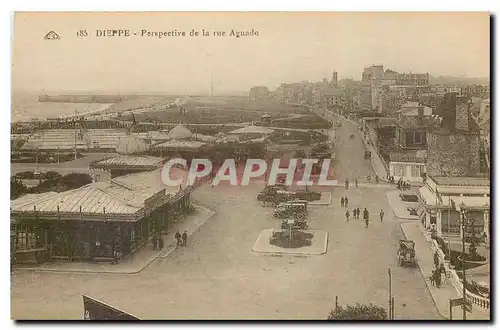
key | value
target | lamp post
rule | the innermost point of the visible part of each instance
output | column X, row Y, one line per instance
column 390, row 294
column 463, row 224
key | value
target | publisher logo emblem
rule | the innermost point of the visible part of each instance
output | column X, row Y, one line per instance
column 52, row 36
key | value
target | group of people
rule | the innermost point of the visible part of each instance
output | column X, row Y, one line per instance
column 356, row 212
column 344, row 201
column 368, row 178
column 181, row 239
column 439, row 273
column 403, row 185
column 158, row 242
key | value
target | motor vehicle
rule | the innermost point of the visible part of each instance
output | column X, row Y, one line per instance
column 275, row 194
column 296, row 209
column 406, row 253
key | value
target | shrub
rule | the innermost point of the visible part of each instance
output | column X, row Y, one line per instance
column 17, row 188
column 28, row 175
column 358, row 312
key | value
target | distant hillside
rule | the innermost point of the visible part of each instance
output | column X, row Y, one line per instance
column 447, row 80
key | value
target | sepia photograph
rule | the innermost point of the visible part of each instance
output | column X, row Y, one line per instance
column 285, row 166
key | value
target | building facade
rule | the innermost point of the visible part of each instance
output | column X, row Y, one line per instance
column 408, row 165
column 441, row 198
column 454, row 147
column 103, row 221
column 259, row 93
column 412, row 79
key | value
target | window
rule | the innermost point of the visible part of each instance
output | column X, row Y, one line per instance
column 415, row 171
column 25, row 241
column 399, row 170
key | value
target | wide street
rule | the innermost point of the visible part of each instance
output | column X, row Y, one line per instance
column 349, row 153
column 218, row 276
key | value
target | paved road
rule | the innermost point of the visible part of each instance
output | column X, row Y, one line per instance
column 80, row 165
column 218, row 277
column 349, row 154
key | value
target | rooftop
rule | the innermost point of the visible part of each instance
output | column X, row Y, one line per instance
column 176, row 144
column 252, row 130
column 92, row 198
column 180, row 132
column 124, row 195
column 461, row 181
column 130, row 160
column 131, row 144
column 151, row 180
column 430, row 198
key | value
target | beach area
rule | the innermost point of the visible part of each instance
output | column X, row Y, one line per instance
column 26, row 107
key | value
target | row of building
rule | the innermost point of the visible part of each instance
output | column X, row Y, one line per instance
column 418, row 141
column 324, row 94
column 445, row 155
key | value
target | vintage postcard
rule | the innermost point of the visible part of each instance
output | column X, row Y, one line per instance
column 250, row 166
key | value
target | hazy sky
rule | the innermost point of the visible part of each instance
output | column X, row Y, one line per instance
column 290, row 47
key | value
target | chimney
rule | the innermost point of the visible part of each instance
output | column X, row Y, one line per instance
column 448, row 110
column 421, row 113
column 462, row 114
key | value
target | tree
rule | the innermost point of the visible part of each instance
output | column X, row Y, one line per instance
column 75, row 180
column 17, row 188
column 52, row 175
column 25, row 175
column 358, row 312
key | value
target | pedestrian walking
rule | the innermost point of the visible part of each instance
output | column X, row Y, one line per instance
column 178, row 238
column 376, row 178
column 346, row 202
column 184, row 238
column 155, row 242
column 366, row 217
column 356, row 183
column 442, row 273
column 161, row 243
column 347, row 216
column 436, row 259
column 342, row 201
column 381, row 215
column 438, row 278
column 359, row 212
column 433, row 278
column 346, row 183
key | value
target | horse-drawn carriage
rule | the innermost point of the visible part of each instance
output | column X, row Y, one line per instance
column 406, row 253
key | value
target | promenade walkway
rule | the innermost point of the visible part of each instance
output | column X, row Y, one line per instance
column 442, row 295
column 399, row 207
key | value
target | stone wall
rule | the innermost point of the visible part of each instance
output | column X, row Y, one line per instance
column 462, row 115
column 453, row 154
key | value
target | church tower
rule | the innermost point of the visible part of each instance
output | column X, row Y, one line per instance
column 334, row 82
